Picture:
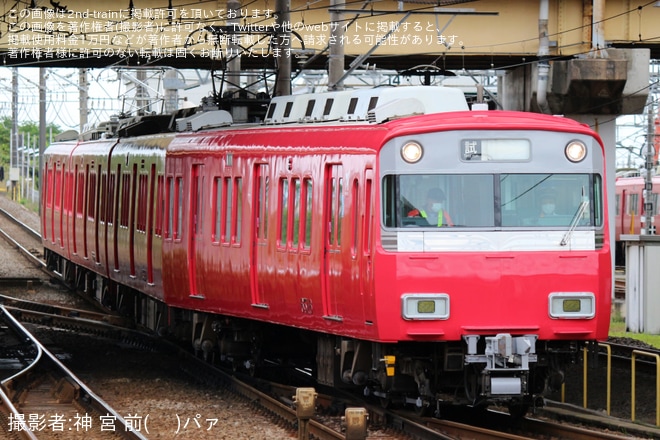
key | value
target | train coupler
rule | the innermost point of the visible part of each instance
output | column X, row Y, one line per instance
column 502, row 352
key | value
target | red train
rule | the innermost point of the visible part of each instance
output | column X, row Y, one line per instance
column 630, row 212
column 294, row 239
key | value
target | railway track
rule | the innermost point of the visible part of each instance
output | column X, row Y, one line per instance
column 281, row 406
column 23, row 238
column 279, row 402
column 45, row 397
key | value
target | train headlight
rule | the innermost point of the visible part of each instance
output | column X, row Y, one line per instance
column 575, row 151
column 425, row 306
column 573, row 305
column 412, row 152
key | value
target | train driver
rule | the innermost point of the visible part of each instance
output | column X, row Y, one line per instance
column 548, row 204
column 434, row 210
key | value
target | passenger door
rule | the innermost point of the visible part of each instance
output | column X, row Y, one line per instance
column 195, row 224
column 366, row 260
column 333, row 202
column 259, row 263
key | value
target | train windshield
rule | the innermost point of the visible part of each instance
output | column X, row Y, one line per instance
column 493, row 200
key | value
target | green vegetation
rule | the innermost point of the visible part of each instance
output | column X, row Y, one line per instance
column 28, row 132
column 31, row 128
column 618, row 330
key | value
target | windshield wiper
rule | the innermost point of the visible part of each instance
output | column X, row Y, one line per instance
column 576, row 218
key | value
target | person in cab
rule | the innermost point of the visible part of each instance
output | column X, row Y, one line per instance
column 434, row 210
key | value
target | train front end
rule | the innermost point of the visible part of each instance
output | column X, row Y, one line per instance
column 493, row 268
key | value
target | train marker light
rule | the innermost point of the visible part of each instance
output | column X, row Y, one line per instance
column 412, row 152
column 572, row 305
column 575, row 151
column 425, row 306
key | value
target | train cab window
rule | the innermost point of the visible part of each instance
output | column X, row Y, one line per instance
column 492, row 201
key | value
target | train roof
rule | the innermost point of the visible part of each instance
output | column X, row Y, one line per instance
column 361, row 135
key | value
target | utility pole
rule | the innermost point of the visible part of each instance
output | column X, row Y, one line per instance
column 649, row 227
column 336, row 57
column 42, row 130
column 283, row 46
column 13, row 155
column 83, row 88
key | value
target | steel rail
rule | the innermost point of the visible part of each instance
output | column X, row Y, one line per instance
column 82, row 394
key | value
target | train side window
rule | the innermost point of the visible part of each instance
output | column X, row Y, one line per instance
column 283, row 207
column 48, row 187
column 179, row 207
column 160, row 205
column 59, row 181
column 80, row 194
column 262, row 201
column 295, row 232
column 336, row 208
column 229, row 206
column 91, row 197
column 125, row 199
column 169, row 208
column 141, row 224
column 70, row 192
column 237, row 218
column 217, row 210
column 306, row 210
column 103, row 199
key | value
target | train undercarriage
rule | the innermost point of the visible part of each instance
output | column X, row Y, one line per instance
column 514, row 371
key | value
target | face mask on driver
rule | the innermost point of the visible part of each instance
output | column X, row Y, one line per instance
column 437, row 207
column 548, row 208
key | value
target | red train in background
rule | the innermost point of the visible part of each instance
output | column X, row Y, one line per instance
column 292, row 239
column 629, row 208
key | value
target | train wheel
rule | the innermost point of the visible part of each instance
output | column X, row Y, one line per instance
column 518, row 410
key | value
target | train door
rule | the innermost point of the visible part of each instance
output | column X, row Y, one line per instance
column 131, row 211
column 150, row 223
column 93, row 211
column 195, row 234
column 333, row 214
column 366, row 263
column 259, row 232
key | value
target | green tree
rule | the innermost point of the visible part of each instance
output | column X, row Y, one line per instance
column 29, row 127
